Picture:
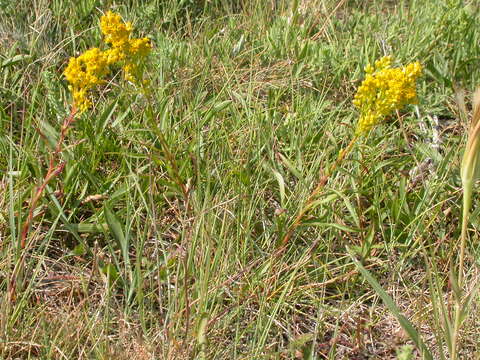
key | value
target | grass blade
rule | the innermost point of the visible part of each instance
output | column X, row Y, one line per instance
column 404, row 323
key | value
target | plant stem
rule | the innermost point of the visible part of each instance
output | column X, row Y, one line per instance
column 52, row 172
column 55, row 168
column 321, row 183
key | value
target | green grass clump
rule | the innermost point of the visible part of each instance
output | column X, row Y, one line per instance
column 162, row 233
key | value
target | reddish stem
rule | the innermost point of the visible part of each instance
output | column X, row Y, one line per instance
column 53, row 171
column 313, row 195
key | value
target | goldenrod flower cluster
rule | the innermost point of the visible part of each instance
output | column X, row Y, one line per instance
column 384, row 90
column 89, row 69
column 128, row 52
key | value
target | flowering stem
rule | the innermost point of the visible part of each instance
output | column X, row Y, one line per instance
column 469, row 173
column 168, row 154
column 54, row 169
column 322, row 182
column 467, row 202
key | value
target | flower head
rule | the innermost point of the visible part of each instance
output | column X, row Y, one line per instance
column 84, row 73
column 470, row 169
column 128, row 52
column 116, row 32
column 88, row 70
column 384, row 90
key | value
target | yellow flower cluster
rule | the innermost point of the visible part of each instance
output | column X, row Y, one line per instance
column 89, row 69
column 84, row 73
column 128, row 52
column 384, row 90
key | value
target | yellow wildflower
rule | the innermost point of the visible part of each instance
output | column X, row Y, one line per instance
column 89, row 69
column 84, row 73
column 129, row 52
column 384, row 90
column 117, row 33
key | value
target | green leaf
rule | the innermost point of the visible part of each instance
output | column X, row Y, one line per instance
column 467, row 301
column 117, row 231
column 334, row 225
column 281, row 186
column 221, row 106
column 349, row 206
column 90, row 228
column 321, row 201
column 238, row 46
column 49, row 133
column 14, row 60
column 104, row 118
column 290, row 166
column 79, row 250
column 405, row 353
column 111, row 272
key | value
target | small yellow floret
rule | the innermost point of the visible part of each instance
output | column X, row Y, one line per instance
column 116, row 32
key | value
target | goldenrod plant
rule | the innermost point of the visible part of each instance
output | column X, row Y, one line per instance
column 451, row 323
column 84, row 73
column 384, row 90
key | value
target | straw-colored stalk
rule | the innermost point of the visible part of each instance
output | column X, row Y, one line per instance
column 470, row 172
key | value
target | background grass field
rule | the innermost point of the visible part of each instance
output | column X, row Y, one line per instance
column 136, row 254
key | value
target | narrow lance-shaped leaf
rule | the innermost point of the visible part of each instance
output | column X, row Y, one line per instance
column 117, row 231
column 406, row 325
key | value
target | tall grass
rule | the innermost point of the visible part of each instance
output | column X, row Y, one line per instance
column 139, row 252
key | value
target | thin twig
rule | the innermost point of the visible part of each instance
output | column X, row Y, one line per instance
column 313, row 195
